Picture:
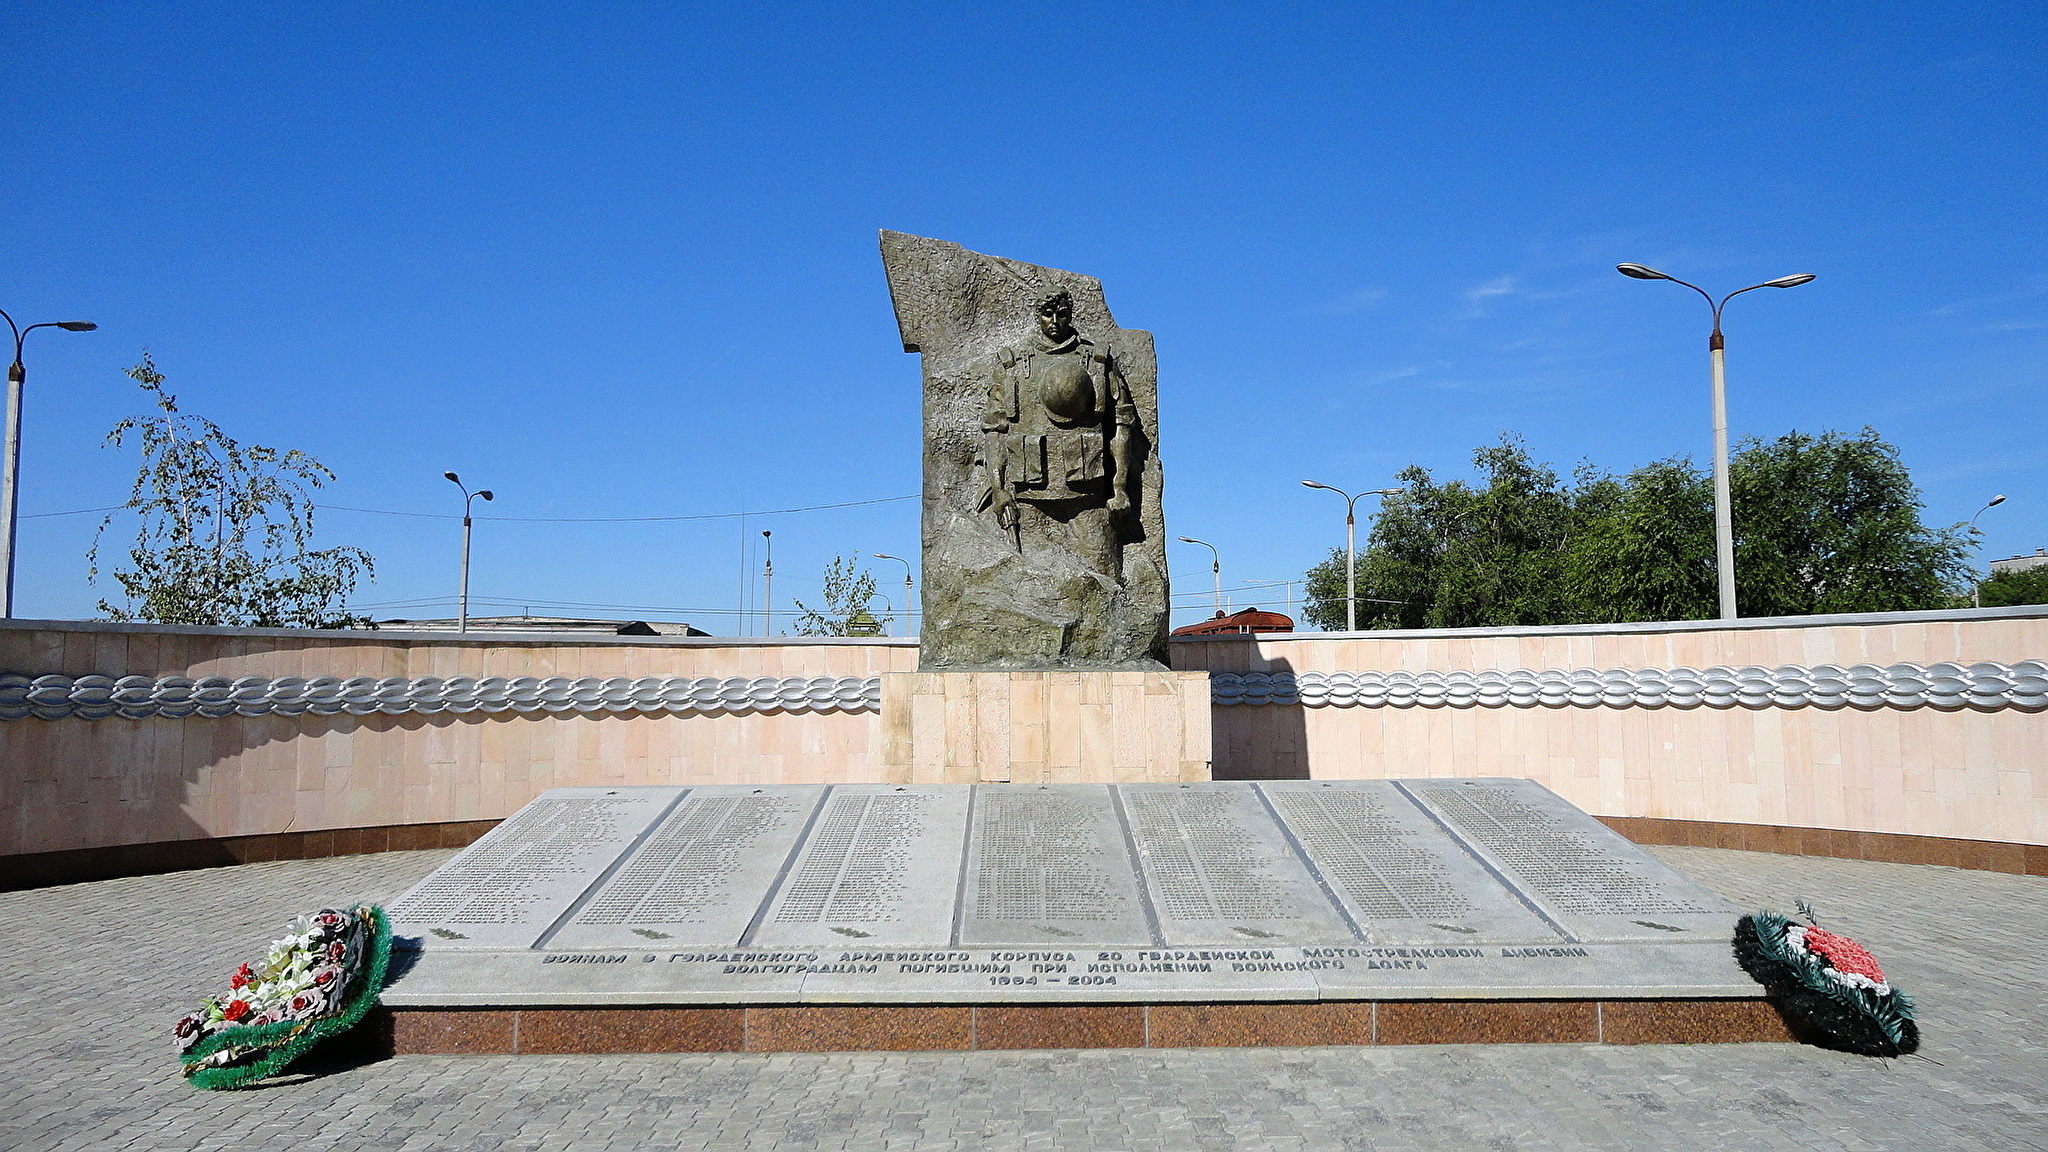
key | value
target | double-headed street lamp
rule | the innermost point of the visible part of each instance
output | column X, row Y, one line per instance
column 1215, row 568
column 907, row 597
column 1351, row 546
column 1724, row 522
column 10, row 469
column 462, row 608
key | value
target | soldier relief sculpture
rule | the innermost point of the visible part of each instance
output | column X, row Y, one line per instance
column 1059, row 429
column 1042, row 530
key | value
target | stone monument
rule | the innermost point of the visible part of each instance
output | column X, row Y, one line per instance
column 807, row 916
column 1044, row 545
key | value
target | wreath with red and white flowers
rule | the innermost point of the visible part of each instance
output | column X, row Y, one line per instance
column 1829, row 986
column 316, row 981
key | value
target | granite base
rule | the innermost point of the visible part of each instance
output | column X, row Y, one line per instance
column 993, row 1027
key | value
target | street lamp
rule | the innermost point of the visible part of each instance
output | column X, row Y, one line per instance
column 767, row 582
column 1976, row 585
column 908, row 599
column 1215, row 568
column 1724, row 522
column 1351, row 546
column 462, row 605
column 10, row 471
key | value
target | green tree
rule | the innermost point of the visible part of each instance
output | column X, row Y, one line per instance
column 2005, row 589
column 1645, row 549
column 1823, row 524
column 1457, row 555
column 1831, row 523
column 848, row 588
column 224, row 530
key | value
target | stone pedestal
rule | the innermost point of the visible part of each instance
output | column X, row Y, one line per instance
column 1045, row 727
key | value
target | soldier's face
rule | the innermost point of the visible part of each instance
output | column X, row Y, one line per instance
column 1055, row 320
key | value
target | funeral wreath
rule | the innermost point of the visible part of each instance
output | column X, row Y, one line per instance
column 1828, row 985
column 316, row 981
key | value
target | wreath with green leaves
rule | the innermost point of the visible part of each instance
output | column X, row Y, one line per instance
column 315, row 982
column 1829, row 986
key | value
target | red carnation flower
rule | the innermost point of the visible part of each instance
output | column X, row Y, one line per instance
column 1843, row 954
column 236, row 1009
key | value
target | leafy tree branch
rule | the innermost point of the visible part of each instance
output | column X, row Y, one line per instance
column 848, row 588
column 224, row 531
column 1823, row 524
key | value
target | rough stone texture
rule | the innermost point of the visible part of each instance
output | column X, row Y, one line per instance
column 1032, row 447
column 93, row 974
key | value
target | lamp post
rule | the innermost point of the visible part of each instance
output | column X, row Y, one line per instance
column 462, row 604
column 1724, row 522
column 767, row 582
column 10, row 469
column 1351, row 546
column 1976, row 585
column 1215, row 568
column 908, row 599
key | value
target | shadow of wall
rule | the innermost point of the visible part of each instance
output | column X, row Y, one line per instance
column 1248, row 741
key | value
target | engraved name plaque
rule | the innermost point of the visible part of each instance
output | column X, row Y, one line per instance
column 508, row 888
column 882, row 863
column 698, row 879
column 1392, row 868
column 1074, row 893
column 1587, row 880
column 1049, row 864
column 1220, row 869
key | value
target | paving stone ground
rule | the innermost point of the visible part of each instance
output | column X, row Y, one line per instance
column 91, row 976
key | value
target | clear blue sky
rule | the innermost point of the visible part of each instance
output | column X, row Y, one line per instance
column 619, row 260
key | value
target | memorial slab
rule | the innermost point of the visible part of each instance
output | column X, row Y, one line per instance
column 1050, row 864
column 882, row 863
column 1221, row 870
column 1075, row 893
column 1583, row 877
column 698, row 879
column 1392, row 868
column 507, row 889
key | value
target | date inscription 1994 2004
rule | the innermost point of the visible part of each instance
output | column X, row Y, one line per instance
column 1059, row 968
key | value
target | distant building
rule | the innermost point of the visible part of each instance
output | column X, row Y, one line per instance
column 2020, row 563
column 550, row 625
column 1244, row 623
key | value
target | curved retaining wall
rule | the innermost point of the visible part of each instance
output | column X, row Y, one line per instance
column 1922, row 725
column 1906, row 736
column 129, row 746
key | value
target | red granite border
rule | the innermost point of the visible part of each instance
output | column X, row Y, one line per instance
column 998, row 1027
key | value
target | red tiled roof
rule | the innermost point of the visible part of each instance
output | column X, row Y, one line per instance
column 1249, row 621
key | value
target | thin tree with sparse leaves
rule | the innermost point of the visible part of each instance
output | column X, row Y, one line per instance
column 224, row 530
column 848, row 588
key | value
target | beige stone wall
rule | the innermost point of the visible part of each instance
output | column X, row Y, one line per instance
column 1922, row 771
column 79, row 783
column 1045, row 727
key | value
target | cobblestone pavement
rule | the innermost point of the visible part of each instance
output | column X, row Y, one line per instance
column 93, row 974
